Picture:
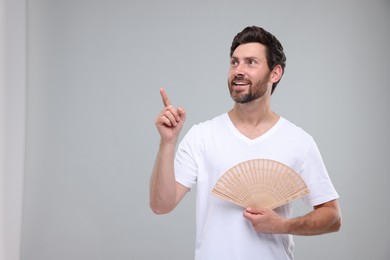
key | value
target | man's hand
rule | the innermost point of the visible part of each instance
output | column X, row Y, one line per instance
column 266, row 220
column 170, row 121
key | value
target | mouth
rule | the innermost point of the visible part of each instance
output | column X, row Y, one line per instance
column 240, row 85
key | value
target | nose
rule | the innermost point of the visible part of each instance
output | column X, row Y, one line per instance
column 238, row 70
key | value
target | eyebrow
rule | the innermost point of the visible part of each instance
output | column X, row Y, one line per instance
column 245, row 58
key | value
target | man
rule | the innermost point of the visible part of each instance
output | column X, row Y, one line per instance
column 250, row 130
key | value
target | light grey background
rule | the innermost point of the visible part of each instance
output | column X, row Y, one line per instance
column 94, row 70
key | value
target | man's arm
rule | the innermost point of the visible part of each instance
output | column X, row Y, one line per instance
column 165, row 192
column 324, row 218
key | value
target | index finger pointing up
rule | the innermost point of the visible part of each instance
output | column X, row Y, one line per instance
column 164, row 97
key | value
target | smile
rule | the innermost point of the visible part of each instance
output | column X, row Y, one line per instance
column 240, row 85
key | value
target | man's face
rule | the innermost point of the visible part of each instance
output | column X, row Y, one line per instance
column 249, row 73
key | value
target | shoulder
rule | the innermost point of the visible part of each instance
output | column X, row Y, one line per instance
column 216, row 122
column 205, row 131
column 291, row 130
column 295, row 138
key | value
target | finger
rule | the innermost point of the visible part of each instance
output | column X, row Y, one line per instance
column 249, row 215
column 164, row 97
column 172, row 116
column 165, row 118
column 255, row 210
column 165, row 121
column 182, row 113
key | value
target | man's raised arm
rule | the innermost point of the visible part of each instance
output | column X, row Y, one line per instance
column 165, row 192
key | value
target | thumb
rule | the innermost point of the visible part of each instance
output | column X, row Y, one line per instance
column 255, row 210
column 182, row 113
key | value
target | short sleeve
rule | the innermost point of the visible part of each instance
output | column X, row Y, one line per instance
column 317, row 179
column 185, row 166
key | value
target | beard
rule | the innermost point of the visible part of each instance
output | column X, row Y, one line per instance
column 256, row 90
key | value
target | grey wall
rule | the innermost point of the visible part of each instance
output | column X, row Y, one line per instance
column 94, row 70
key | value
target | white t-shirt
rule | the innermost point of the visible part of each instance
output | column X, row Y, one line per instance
column 211, row 148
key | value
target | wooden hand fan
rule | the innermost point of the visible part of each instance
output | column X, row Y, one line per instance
column 260, row 183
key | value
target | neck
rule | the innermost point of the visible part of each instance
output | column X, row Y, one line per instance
column 254, row 118
column 254, row 112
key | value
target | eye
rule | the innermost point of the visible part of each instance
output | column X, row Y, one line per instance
column 233, row 62
column 252, row 61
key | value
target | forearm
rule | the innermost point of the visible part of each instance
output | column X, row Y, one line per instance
column 324, row 219
column 162, row 182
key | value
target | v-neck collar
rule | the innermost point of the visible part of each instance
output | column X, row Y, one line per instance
column 246, row 139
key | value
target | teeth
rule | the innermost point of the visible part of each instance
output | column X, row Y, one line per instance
column 240, row 83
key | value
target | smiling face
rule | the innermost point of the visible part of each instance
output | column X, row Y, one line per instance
column 249, row 74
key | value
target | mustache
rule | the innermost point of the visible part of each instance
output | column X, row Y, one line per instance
column 239, row 77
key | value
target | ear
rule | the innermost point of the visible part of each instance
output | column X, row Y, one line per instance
column 276, row 73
